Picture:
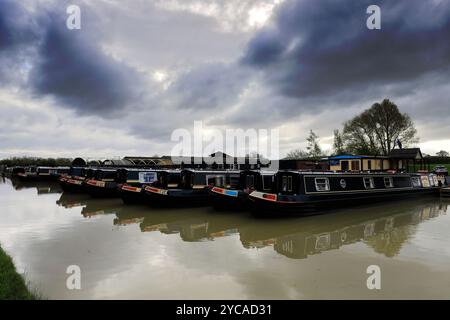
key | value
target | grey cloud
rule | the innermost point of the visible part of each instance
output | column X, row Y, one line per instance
column 68, row 65
column 320, row 48
column 73, row 68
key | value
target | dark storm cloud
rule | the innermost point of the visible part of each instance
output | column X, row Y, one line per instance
column 68, row 65
column 15, row 29
column 73, row 68
column 322, row 47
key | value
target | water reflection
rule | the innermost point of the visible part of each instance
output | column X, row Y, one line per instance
column 42, row 187
column 143, row 252
column 383, row 229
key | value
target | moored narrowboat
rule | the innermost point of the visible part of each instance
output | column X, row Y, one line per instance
column 309, row 192
column 103, row 184
column 73, row 181
column 186, row 187
column 33, row 173
column 57, row 172
column 130, row 184
column 234, row 191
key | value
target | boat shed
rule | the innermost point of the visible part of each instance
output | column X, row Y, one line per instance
column 409, row 160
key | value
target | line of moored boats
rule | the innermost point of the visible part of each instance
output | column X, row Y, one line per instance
column 283, row 191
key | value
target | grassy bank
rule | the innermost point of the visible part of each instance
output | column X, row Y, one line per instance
column 12, row 284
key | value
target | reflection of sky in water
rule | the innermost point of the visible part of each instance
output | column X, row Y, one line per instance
column 198, row 253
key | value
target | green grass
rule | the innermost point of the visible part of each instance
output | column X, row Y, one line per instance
column 12, row 284
column 447, row 165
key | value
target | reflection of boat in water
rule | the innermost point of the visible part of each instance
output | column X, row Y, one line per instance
column 193, row 224
column 91, row 206
column 96, row 207
column 42, row 187
column 385, row 231
column 71, row 200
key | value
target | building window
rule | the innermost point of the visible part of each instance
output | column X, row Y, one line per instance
column 344, row 165
column 368, row 183
column 322, row 184
column 388, row 182
column 415, row 181
column 355, row 165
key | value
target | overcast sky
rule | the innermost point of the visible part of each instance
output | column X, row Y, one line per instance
column 139, row 69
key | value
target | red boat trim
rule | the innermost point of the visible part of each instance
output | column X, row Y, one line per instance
column 130, row 188
column 156, row 190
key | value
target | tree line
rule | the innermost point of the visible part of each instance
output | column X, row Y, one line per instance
column 32, row 161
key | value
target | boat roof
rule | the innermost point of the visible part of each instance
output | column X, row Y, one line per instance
column 358, row 173
column 212, row 171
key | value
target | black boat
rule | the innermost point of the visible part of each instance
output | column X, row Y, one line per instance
column 103, row 184
column 234, row 192
column 73, row 181
column 309, row 192
column 186, row 187
column 57, row 172
column 131, row 181
column 38, row 173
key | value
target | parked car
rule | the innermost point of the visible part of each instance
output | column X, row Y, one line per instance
column 440, row 170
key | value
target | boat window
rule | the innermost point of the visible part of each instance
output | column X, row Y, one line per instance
column 415, row 181
column 234, row 182
column 267, row 182
column 322, row 184
column 219, row 181
column 355, row 165
column 250, row 181
column 286, row 183
column 388, row 183
column 369, row 164
column 368, row 183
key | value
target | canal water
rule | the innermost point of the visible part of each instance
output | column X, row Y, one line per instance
column 138, row 252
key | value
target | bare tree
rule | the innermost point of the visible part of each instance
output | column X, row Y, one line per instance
column 313, row 147
column 338, row 143
column 378, row 129
column 442, row 154
column 297, row 154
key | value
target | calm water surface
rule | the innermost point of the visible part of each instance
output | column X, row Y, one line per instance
column 140, row 252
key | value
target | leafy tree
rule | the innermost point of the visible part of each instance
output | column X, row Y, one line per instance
column 376, row 130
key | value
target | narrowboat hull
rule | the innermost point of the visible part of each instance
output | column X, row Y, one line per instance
column 226, row 199
column 131, row 194
column 101, row 189
column 445, row 192
column 314, row 204
column 176, row 197
column 72, row 185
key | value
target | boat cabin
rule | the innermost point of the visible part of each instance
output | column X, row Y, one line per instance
column 136, row 176
column 200, row 179
column 106, row 175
